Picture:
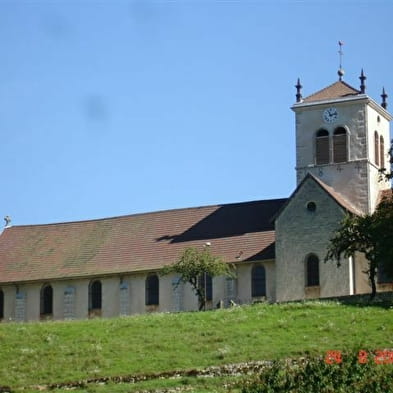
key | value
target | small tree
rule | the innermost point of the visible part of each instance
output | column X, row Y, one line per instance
column 193, row 264
column 371, row 234
column 385, row 172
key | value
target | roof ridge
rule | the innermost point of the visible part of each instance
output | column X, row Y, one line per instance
column 143, row 213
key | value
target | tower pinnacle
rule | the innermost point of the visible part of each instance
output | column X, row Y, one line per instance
column 384, row 97
column 362, row 78
column 298, row 91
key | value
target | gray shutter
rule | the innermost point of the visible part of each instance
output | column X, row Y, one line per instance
column 69, row 303
column 382, row 151
column 322, row 150
column 376, row 148
column 230, row 290
column 20, row 307
column 177, row 294
column 124, row 298
column 340, row 148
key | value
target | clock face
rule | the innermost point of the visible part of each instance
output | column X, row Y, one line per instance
column 330, row 115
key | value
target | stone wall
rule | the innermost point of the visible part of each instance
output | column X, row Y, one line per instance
column 299, row 233
column 356, row 179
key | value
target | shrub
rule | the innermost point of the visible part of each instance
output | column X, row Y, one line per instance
column 314, row 375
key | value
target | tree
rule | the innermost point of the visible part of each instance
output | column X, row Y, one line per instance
column 193, row 264
column 385, row 173
column 371, row 234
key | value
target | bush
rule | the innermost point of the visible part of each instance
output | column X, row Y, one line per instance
column 315, row 375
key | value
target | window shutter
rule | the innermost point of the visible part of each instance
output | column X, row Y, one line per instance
column 322, row 150
column 340, row 148
column 340, row 153
column 322, row 147
column 382, row 151
column 376, row 148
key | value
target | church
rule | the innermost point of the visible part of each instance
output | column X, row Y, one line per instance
column 111, row 267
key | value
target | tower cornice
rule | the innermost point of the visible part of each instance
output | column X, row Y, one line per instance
column 358, row 99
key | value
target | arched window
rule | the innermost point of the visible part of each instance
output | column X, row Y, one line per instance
column 312, row 271
column 383, row 276
column 322, row 147
column 258, row 281
column 382, row 151
column 1, row 304
column 46, row 300
column 206, row 283
column 95, row 295
column 376, row 148
column 340, row 151
column 152, row 290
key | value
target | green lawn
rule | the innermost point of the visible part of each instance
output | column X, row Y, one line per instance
column 53, row 352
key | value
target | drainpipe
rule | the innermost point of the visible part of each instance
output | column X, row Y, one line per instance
column 351, row 276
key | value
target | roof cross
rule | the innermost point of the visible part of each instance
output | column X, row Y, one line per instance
column 341, row 53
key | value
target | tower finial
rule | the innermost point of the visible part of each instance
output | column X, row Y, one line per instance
column 298, row 91
column 341, row 53
column 7, row 220
column 362, row 78
column 384, row 97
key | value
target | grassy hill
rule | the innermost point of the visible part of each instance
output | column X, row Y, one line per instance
column 35, row 354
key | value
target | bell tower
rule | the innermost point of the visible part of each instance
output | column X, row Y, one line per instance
column 343, row 138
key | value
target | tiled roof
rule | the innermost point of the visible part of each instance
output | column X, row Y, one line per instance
column 337, row 196
column 338, row 89
column 385, row 194
column 141, row 242
column 334, row 194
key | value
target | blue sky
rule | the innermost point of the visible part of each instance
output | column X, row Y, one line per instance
column 110, row 108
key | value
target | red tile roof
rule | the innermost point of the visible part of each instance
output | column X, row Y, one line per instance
column 337, row 197
column 385, row 194
column 141, row 242
column 329, row 190
column 338, row 89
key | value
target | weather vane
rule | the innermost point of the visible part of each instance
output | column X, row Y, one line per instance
column 341, row 53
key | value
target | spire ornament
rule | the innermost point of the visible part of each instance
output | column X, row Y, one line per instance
column 362, row 78
column 7, row 220
column 384, row 97
column 340, row 71
column 298, row 91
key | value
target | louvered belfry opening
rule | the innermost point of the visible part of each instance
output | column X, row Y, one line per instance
column 376, row 148
column 340, row 151
column 382, row 149
column 322, row 147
